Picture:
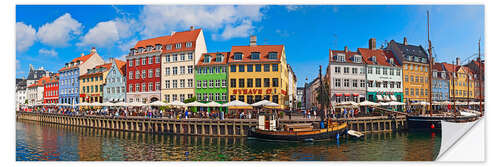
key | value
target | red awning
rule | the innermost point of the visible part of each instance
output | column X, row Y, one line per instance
column 355, row 94
column 347, row 94
column 338, row 94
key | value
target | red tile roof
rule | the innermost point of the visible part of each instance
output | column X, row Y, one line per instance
column 382, row 57
column 449, row 67
column 81, row 58
column 263, row 49
column 107, row 66
column 348, row 55
column 212, row 59
column 177, row 37
column 121, row 66
column 54, row 79
column 40, row 82
column 438, row 67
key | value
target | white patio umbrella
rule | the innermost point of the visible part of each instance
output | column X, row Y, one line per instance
column 236, row 103
column 214, row 104
column 395, row 103
column 420, row 103
column 83, row 104
column 157, row 103
column 121, row 104
column 176, row 104
column 348, row 103
column 271, row 104
column 135, row 104
column 368, row 103
column 383, row 104
column 260, row 103
column 95, row 104
column 196, row 104
column 108, row 104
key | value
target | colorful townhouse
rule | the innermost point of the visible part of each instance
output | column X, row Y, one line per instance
column 383, row 74
column 440, row 83
column 461, row 82
column 51, row 90
column 35, row 91
column 183, row 51
column 292, row 88
column 92, row 83
column 475, row 66
column 115, row 82
column 346, row 76
column 69, row 84
column 164, row 67
column 415, row 62
column 258, row 72
column 211, row 77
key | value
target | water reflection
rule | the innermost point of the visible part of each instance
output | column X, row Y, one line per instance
column 42, row 141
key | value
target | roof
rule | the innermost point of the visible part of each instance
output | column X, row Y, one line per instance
column 212, row 59
column 40, row 82
column 438, row 67
column 54, row 79
column 107, row 66
column 177, row 37
column 411, row 50
column 263, row 49
column 449, row 67
column 36, row 74
column 348, row 55
column 121, row 66
column 81, row 58
column 382, row 56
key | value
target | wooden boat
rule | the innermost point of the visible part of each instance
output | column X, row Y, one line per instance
column 296, row 132
column 433, row 123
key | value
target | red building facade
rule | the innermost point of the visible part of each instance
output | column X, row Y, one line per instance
column 51, row 90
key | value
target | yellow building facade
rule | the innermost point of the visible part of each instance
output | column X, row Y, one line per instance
column 92, row 83
column 463, row 84
column 415, row 81
column 258, row 72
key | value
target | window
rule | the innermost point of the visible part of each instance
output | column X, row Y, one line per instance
column 167, row 58
column 174, row 57
column 150, row 86
column 182, row 83
column 377, row 70
column 143, row 61
column 174, row 83
column 233, row 83
column 167, row 71
column 266, row 82
column 275, row 67
column 355, row 70
column 398, row 84
column 346, row 70
column 137, row 62
column 157, row 74
column 143, row 88
column 249, row 82
column 190, row 56
column 411, row 78
column 189, row 44
column 238, row 56
column 130, row 75
column 241, row 68
column 217, row 83
column 130, row 63
column 198, row 84
column 211, row 83
column 266, row 68
column 167, row 98
column 137, row 88
column 223, row 83
column 257, row 82
column 398, row 72
column 362, row 83
column 273, row 55
column 385, row 84
column 174, row 70
column 178, row 45
column 346, row 82
column 337, row 70
column 275, row 82
column 182, row 69
column 249, row 68
column 150, row 60
column 150, row 73
column 241, row 83
column 190, row 69
column 257, row 68
column 190, row 83
column 370, row 70
column 233, row 68
column 354, row 83
column 411, row 92
column 182, row 57
column 205, row 84
column 406, row 78
column 416, row 78
column 255, row 55
column 416, row 92
column 406, row 92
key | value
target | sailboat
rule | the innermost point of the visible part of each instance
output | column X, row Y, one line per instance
column 432, row 122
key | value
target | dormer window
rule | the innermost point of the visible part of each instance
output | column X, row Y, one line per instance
column 340, row 58
column 374, row 59
column 255, row 56
column 189, row 44
column 149, row 48
column 357, row 58
column 273, row 55
column 424, row 60
column 443, row 75
column 238, row 56
column 219, row 58
column 178, row 46
column 169, row 47
column 410, row 58
column 140, row 49
column 206, row 59
column 158, row 47
column 391, row 60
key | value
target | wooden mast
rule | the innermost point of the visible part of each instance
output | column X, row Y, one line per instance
column 453, row 90
column 430, row 65
column 480, row 79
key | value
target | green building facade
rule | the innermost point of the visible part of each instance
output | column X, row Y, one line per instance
column 211, row 78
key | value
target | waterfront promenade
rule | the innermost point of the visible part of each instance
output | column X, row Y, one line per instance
column 202, row 126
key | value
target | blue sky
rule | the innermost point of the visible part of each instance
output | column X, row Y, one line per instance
column 49, row 36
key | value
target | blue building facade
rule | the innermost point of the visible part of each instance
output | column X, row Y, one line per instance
column 114, row 88
column 440, row 83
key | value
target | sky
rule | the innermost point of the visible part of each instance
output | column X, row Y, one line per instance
column 48, row 36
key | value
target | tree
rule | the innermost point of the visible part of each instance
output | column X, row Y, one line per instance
column 190, row 100
column 299, row 104
column 26, row 101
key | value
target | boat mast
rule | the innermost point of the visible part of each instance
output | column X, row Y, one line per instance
column 480, row 81
column 453, row 80
column 320, row 100
column 430, row 65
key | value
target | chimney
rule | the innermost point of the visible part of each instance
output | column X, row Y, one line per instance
column 346, row 49
column 372, row 44
column 82, row 54
column 93, row 50
column 172, row 34
column 405, row 42
column 31, row 67
column 191, row 28
column 458, row 60
column 253, row 40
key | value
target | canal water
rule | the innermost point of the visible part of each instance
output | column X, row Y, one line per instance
column 37, row 141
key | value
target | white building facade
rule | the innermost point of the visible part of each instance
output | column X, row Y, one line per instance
column 346, row 76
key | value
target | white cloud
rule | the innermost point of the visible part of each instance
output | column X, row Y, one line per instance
column 242, row 30
column 60, row 31
column 127, row 44
column 105, row 34
column 46, row 52
column 25, row 36
column 123, row 57
column 292, row 7
column 17, row 64
column 161, row 20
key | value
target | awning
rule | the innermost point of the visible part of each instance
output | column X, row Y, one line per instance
column 347, row 94
column 386, row 98
column 393, row 98
column 355, row 94
column 379, row 97
column 338, row 94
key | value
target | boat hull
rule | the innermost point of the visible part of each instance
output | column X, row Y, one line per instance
column 433, row 123
column 299, row 136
